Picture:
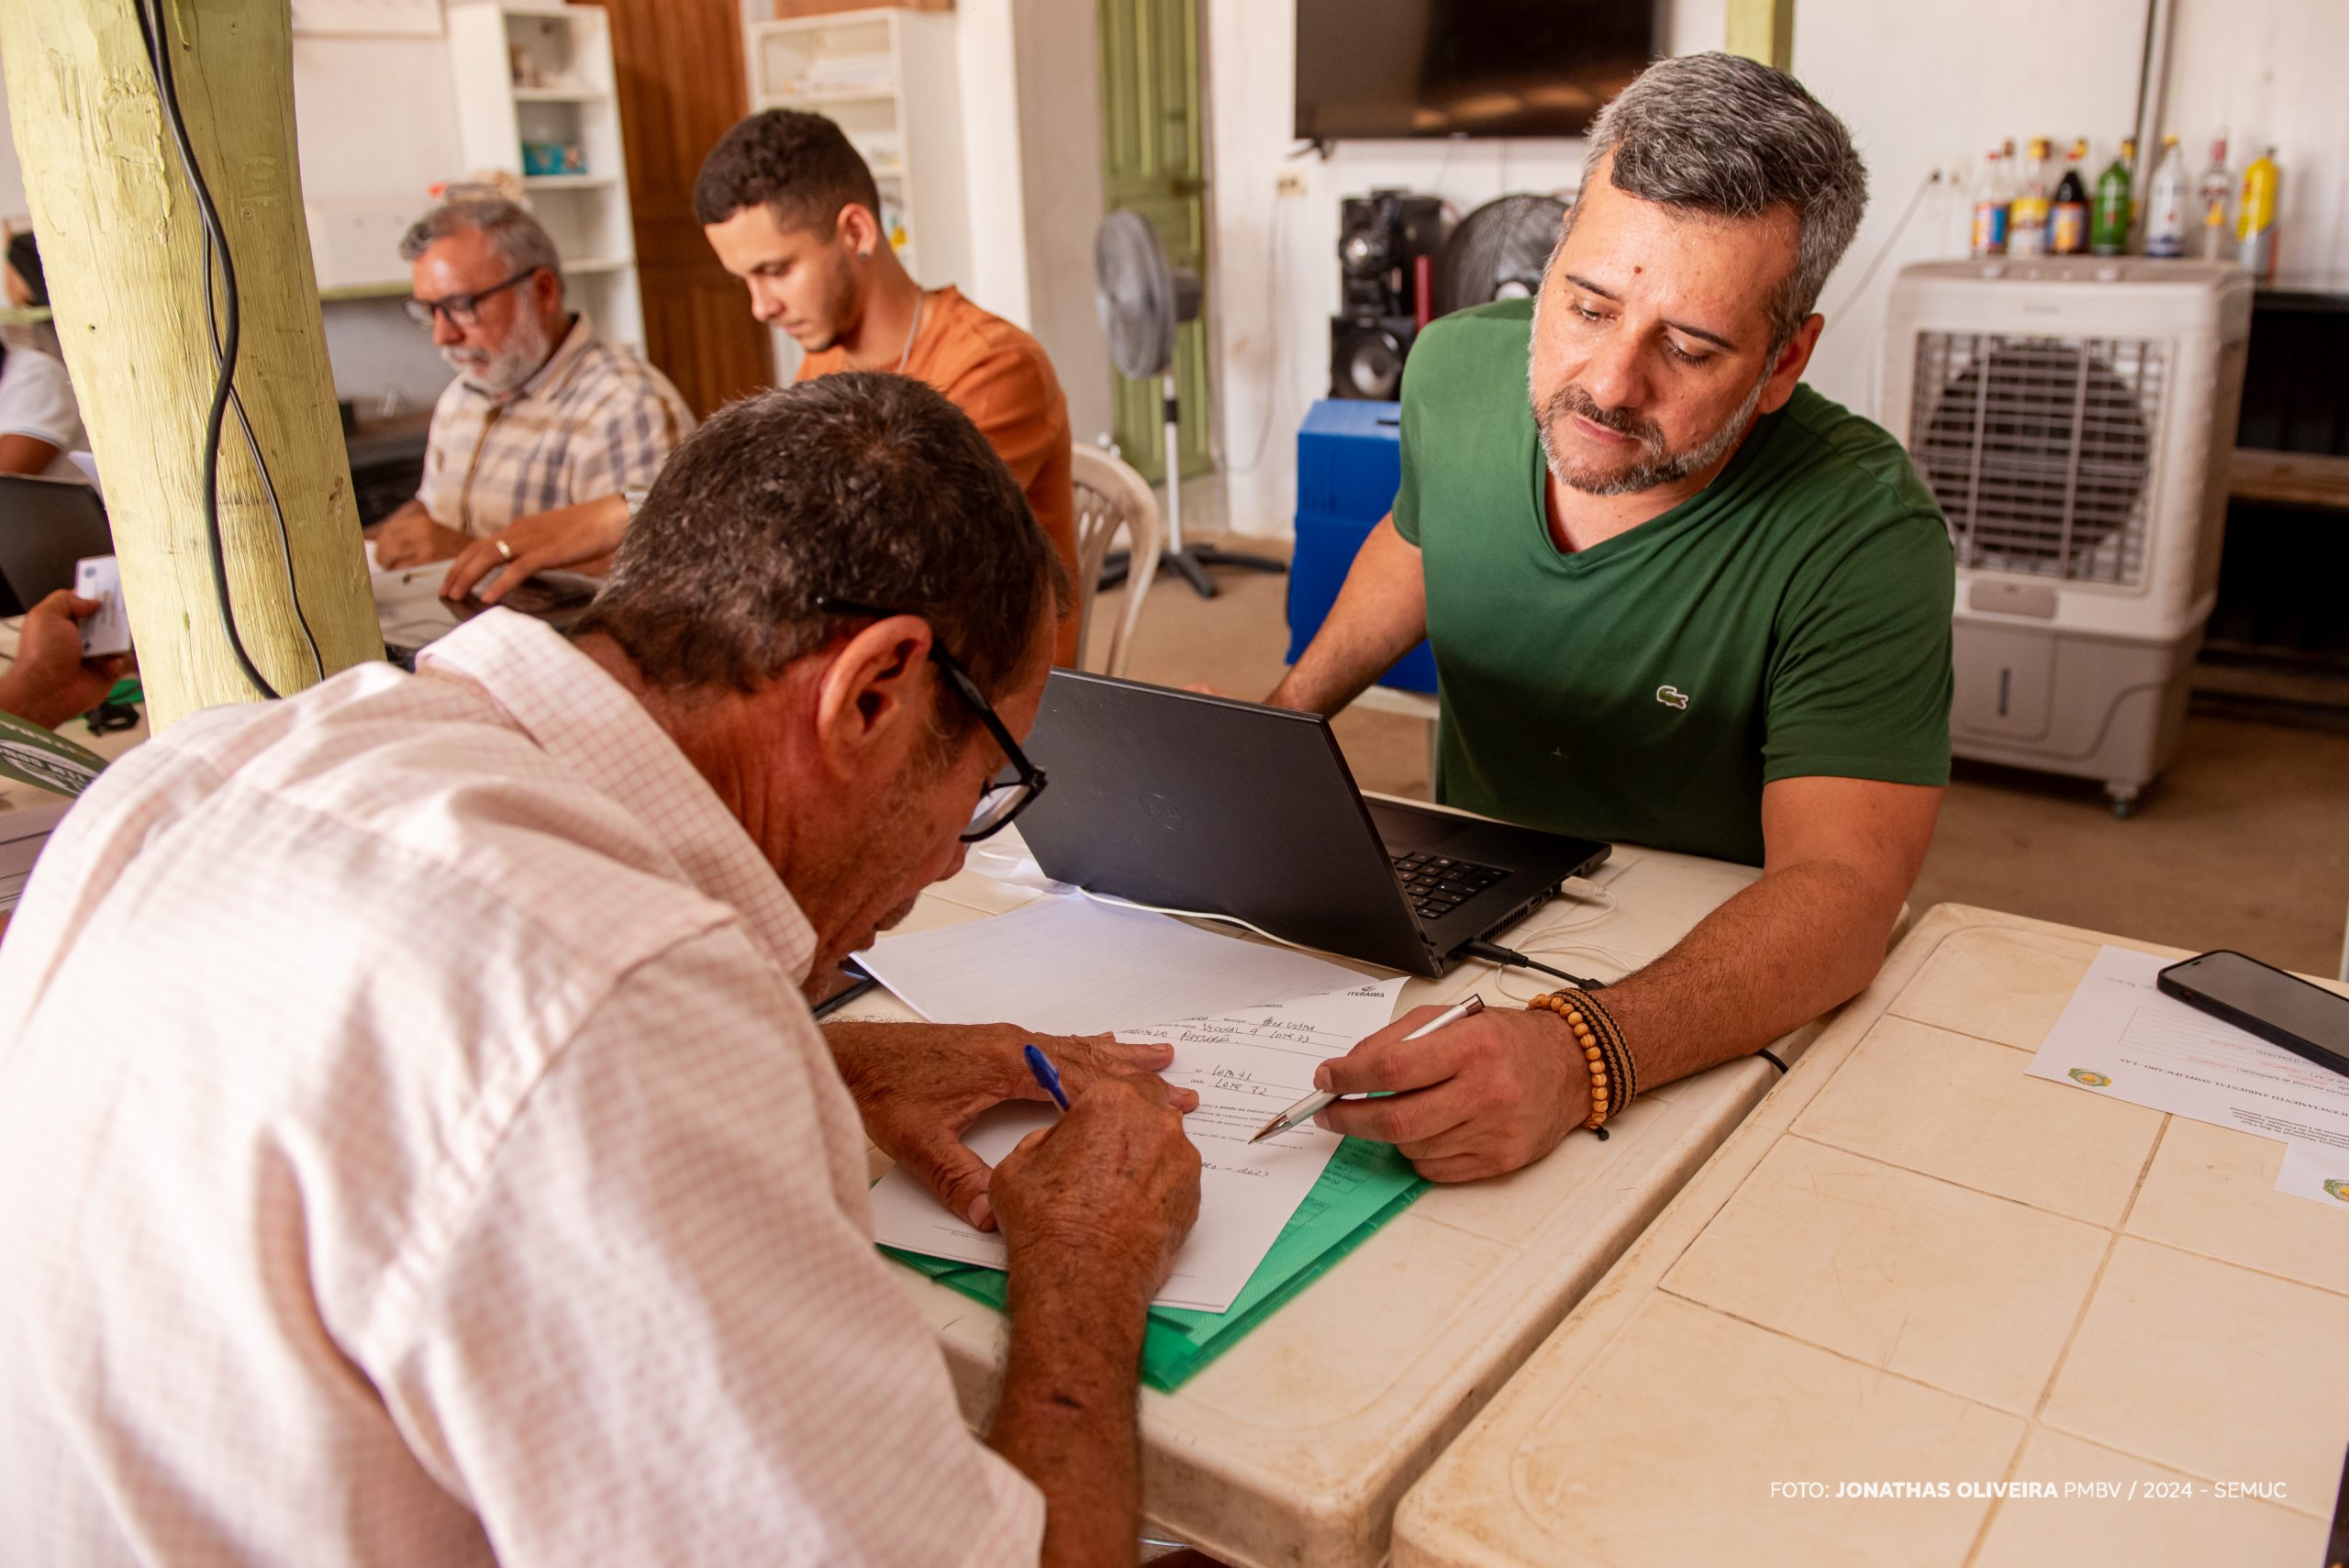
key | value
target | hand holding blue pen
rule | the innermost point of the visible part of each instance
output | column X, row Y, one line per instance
column 1048, row 1077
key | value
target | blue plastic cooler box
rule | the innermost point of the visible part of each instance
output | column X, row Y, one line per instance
column 1349, row 465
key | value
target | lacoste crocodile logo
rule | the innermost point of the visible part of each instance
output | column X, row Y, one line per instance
column 1671, row 696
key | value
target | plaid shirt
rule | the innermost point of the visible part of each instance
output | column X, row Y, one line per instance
column 593, row 421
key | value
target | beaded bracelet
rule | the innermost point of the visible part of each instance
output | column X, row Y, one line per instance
column 1614, row 1075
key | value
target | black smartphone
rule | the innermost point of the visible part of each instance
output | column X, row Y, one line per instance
column 844, row 984
column 2303, row 1019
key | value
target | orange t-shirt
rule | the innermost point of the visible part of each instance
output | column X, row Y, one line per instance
column 1000, row 377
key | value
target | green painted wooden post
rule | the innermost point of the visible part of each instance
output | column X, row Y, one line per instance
column 120, row 242
column 1762, row 30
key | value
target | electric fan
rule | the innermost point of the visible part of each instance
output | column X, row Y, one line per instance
column 1142, row 300
column 1498, row 253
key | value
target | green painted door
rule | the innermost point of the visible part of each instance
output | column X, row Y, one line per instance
column 1150, row 153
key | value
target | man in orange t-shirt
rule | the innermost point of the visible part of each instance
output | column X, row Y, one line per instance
column 790, row 209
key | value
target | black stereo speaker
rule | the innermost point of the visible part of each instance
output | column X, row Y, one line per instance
column 1366, row 354
column 1381, row 237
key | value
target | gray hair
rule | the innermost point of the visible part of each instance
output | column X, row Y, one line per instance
column 856, row 485
column 516, row 237
column 1729, row 136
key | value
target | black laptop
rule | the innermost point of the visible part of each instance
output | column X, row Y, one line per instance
column 1182, row 801
column 46, row 525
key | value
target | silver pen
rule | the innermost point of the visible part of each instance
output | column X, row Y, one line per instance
column 1306, row 1109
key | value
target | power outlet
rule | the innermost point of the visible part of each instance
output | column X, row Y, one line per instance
column 1290, row 183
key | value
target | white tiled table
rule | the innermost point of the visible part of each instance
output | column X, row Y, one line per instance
column 1915, row 1264
column 1294, row 1446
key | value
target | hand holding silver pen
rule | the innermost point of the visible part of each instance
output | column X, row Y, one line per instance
column 1306, row 1109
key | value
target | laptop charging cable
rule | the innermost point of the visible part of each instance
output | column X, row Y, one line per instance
column 1509, row 958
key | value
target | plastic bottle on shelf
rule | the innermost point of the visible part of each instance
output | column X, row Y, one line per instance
column 2067, row 219
column 2255, row 227
column 1991, row 203
column 2026, row 214
column 2165, row 204
column 2215, row 196
column 2116, row 205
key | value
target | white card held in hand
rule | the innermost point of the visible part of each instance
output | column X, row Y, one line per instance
column 97, row 577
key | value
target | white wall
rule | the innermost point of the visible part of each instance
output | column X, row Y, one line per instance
column 1274, row 258
column 1031, row 157
column 1922, row 84
column 2271, row 70
column 1935, row 86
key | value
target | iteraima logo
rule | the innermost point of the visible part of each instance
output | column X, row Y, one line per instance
column 1671, row 696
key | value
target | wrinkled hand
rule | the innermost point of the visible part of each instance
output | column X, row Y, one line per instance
column 919, row 1086
column 50, row 682
column 1478, row 1098
column 411, row 538
column 1115, row 1182
column 583, row 536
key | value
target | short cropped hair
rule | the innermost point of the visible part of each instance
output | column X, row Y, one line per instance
column 798, row 166
column 521, row 240
column 859, row 487
column 1730, row 136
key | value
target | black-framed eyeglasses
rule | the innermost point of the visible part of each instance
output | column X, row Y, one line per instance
column 1000, row 802
column 462, row 309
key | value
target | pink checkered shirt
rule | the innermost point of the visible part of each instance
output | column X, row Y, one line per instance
column 595, row 420
column 414, row 1149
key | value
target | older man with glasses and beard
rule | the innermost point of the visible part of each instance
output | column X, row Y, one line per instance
column 1676, row 597
column 543, row 413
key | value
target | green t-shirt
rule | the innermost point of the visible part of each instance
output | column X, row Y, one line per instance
column 1791, row 620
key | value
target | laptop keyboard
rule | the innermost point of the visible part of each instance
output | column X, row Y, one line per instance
column 1436, row 886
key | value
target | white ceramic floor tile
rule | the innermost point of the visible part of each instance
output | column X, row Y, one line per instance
column 2144, row 1523
column 2213, row 1368
column 1969, row 1293
column 1966, row 1110
column 1618, row 1473
column 1998, row 983
column 2213, row 1190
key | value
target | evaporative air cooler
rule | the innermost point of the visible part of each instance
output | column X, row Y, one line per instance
column 2074, row 417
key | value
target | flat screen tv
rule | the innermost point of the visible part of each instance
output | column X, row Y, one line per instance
column 1433, row 68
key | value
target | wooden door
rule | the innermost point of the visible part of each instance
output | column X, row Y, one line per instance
column 682, row 86
column 1153, row 163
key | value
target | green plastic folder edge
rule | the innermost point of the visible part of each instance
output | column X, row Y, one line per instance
column 1363, row 1186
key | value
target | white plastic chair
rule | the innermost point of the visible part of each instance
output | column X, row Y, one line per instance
column 1112, row 499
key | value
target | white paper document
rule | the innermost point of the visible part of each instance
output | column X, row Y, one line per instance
column 2316, row 1171
column 1067, row 965
column 1248, row 1065
column 2119, row 1036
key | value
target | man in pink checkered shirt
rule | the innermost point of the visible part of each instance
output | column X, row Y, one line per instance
column 415, row 1145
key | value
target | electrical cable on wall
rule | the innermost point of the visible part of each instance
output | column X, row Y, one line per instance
column 1932, row 178
column 224, row 328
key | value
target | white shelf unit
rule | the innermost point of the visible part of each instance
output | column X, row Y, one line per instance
column 543, row 74
column 888, row 77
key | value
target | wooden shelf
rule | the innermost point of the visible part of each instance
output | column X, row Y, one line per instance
column 557, row 96
column 2299, row 479
column 569, row 182
column 388, row 289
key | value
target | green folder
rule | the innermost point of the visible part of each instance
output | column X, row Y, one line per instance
column 44, row 758
column 1363, row 1186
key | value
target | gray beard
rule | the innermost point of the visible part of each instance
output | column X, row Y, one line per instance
column 1659, row 467
column 526, row 349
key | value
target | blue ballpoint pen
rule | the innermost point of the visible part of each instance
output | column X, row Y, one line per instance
column 1047, row 1077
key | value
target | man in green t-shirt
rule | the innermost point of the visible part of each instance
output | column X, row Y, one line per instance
column 1675, row 597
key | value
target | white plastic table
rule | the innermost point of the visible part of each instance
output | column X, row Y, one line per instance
column 1914, row 1265
column 1296, row 1445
